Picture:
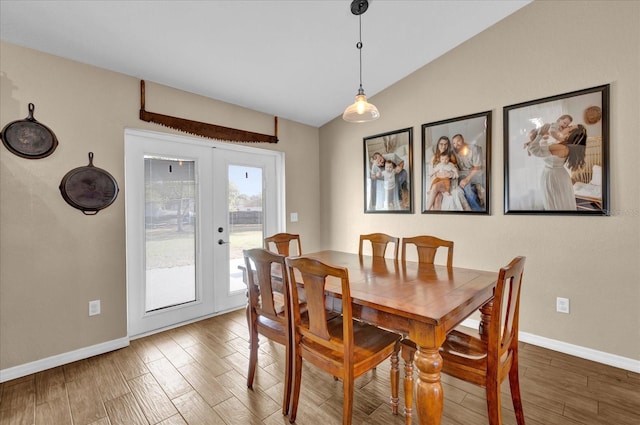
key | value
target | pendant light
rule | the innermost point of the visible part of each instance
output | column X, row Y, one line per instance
column 361, row 110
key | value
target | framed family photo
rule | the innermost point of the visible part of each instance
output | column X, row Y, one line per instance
column 455, row 165
column 556, row 154
column 388, row 172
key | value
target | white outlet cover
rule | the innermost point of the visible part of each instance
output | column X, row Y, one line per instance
column 94, row 307
column 562, row 305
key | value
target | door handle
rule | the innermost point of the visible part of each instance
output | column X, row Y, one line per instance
column 221, row 242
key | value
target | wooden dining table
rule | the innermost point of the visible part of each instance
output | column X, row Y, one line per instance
column 422, row 301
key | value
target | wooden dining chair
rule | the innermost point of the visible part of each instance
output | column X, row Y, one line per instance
column 267, row 312
column 427, row 247
column 282, row 243
column 488, row 358
column 343, row 347
column 379, row 242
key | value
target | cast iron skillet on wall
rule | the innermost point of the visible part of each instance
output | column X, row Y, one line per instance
column 89, row 188
column 28, row 138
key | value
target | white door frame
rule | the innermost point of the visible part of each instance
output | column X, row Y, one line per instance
column 138, row 321
column 225, row 298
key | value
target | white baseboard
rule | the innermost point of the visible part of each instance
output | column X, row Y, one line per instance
column 571, row 349
column 552, row 344
column 84, row 353
column 61, row 359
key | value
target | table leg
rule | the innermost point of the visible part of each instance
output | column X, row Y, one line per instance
column 485, row 320
column 429, row 395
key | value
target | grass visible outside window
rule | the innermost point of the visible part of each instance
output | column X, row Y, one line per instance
column 167, row 248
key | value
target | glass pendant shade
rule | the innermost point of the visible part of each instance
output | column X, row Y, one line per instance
column 361, row 110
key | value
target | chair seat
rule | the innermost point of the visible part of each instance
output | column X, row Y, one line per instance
column 272, row 329
column 464, row 356
column 367, row 339
column 276, row 329
column 465, row 344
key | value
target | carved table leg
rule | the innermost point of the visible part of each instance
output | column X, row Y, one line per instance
column 429, row 395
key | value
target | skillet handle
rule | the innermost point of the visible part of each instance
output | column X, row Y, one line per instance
column 32, row 108
column 89, row 212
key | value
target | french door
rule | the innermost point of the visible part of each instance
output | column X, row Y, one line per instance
column 240, row 217
column 191, row 208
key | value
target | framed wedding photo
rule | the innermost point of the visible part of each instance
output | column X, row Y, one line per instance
column 455, row 165
column 556, row 154
column 388, row 172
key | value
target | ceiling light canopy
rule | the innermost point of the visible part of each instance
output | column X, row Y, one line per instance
column 360, row 110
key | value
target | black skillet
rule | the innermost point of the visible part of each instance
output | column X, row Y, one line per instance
column 89, row 188
column 28, row 138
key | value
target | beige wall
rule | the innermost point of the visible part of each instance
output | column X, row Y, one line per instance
column 546, row 48
column 54, row 259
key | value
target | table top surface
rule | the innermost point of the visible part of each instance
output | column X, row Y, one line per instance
column 426, row 293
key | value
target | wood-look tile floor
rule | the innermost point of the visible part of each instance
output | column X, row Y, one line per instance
column 196, row 374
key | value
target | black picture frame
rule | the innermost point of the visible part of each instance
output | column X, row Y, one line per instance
column 467, row 190
column 388, row 195
column 539, row 135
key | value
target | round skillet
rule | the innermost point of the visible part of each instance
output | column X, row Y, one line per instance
column 28, row 138
column 89, row 188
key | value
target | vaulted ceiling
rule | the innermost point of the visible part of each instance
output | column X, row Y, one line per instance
column 294, row 59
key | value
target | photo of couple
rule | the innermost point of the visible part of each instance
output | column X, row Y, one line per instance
column 555, row 154
column 455, row 162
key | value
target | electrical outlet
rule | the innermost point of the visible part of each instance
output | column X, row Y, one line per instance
column 94, row 307
column 294, row 217
column 562, row 305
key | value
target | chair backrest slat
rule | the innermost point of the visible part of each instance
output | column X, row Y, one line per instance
column 506, row 305
column 258, row 263
column 427, row 246
column 379, row 242
column 282, row 242
column 314, row 276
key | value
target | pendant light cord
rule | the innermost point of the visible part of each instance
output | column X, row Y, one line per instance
column 360, row 110
column 359, row 46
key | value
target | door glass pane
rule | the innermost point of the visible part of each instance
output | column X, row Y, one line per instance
column 170, row 223
column 245, row 218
